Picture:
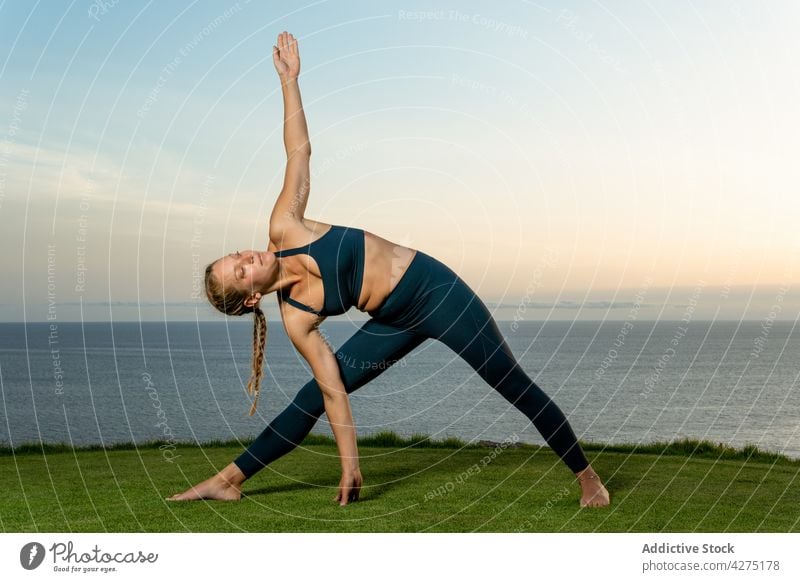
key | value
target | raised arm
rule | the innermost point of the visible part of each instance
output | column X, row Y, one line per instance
column 290, row 207
column 303, row 330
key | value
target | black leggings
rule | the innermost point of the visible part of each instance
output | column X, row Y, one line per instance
column 429, row 301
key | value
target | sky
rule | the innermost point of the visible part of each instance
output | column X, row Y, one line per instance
column 570, row 160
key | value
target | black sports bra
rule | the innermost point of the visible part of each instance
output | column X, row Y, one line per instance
column 340, row 256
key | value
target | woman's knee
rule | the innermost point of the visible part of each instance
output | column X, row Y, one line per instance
column 309, row 399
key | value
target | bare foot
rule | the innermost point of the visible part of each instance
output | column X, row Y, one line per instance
column 224, row 486
column 594, row 493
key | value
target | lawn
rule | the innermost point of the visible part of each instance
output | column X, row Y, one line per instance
column 410, row 485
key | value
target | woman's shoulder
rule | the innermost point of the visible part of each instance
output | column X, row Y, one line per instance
column 297, row 233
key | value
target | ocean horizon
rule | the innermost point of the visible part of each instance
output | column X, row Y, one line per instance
column 618, row 381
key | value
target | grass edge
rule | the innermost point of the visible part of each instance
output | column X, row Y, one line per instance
column 685, row 447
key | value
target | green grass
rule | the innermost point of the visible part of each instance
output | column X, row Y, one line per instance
column 410, row 485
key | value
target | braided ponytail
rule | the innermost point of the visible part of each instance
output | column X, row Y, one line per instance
column 259, row 339
column 232, row 302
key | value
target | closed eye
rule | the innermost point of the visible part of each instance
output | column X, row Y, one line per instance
column 241, row 269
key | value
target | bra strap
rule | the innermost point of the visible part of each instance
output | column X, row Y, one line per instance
column 290, row 252
column 297, row 304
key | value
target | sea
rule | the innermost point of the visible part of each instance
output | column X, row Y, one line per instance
column 730, row 382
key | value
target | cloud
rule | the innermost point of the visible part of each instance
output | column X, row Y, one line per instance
column 50, row 175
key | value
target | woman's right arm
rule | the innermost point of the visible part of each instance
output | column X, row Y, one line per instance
column 290, row 207
column 303, row 331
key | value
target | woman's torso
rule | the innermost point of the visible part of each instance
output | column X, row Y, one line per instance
column 384, row 264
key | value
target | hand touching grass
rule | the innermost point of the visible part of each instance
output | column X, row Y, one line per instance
column 349, row 487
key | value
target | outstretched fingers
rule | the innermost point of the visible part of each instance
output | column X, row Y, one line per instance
column 347, row 493
column 344, row 495
column 287, row 42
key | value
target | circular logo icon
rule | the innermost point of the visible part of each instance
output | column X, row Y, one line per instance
column 31, row 555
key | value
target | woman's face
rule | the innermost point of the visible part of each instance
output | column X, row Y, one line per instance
column 249, row 272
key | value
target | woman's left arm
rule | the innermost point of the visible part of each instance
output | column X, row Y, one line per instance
column 291, row 204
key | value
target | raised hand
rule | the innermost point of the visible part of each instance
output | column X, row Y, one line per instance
column 286, row 56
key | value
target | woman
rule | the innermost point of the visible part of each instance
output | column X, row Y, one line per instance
column 318, row 270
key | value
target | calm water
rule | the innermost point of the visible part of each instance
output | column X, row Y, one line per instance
column 727, row 382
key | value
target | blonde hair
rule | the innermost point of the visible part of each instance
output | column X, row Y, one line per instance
column 230, row 301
